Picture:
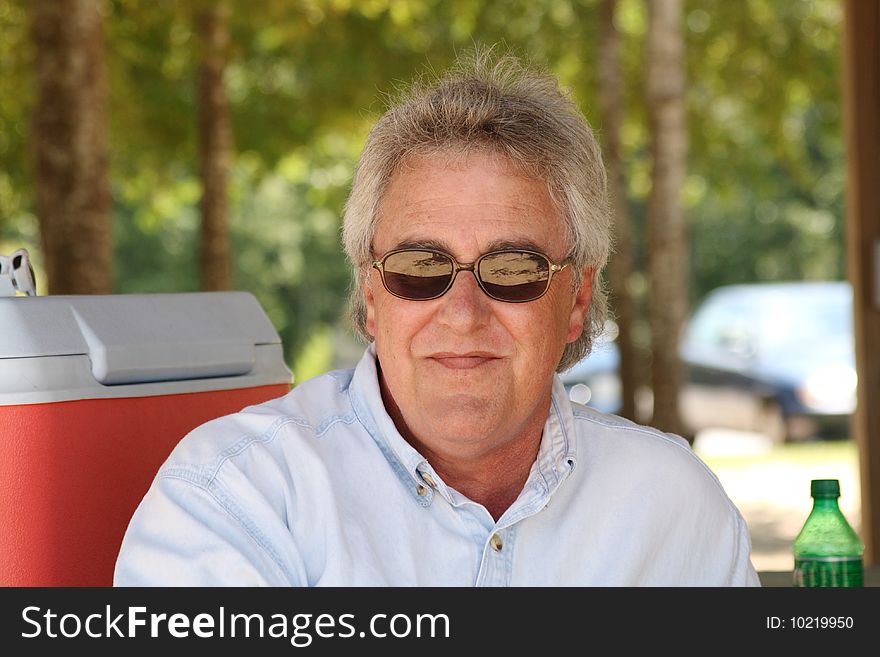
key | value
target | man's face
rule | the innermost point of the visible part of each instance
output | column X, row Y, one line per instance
column 465, row 373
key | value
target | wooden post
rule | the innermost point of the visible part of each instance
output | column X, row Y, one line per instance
column 68, row 138
column 861, row 45
column 215, row 146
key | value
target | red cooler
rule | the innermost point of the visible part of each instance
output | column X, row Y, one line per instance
column 95, row 391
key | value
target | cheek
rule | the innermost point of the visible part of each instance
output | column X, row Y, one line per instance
column 562, row 321
column 537, row 331
column 396, row 322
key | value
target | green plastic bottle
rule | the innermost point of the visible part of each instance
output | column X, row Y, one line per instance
column 827, row 551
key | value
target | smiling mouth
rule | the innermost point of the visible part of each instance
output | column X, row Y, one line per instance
column 463, row 361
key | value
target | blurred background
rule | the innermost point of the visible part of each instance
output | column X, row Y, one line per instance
column 162, row 146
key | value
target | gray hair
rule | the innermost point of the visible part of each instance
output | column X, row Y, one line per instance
column 495, row 105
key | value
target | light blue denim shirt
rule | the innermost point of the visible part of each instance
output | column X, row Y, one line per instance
column 319, row 488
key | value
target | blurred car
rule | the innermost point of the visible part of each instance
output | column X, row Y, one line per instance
column 594, row 380
column 776, row 358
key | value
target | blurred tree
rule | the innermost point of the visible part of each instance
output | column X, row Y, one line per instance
column 215, row 147
column 305, row 80
column 621, row 265
column 666, row 230
column 69, row 143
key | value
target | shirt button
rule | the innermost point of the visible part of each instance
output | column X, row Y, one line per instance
column 421, row 490
column 496, row 542
column 428, row 479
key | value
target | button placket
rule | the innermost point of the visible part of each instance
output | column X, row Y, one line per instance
column 496, row 565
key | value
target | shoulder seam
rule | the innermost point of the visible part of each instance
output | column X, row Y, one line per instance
column 627, row 426
column 666, row 438
column 207, row 474
column 225, row 502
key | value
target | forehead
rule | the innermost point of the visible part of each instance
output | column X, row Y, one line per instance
column 467, row 202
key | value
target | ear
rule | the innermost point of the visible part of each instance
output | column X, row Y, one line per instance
column 580, row 307
column 370, row 303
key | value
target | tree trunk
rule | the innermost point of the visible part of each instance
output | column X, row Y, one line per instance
column 621, row 265
column 666, row 226
column 215, row 147
column 69, row 144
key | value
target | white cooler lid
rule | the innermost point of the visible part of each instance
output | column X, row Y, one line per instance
column 141, row 338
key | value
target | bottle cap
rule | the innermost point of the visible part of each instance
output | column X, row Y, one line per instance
column 825, row 488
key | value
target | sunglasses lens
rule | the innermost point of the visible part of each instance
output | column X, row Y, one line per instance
column 417, row 275
column 514, row 275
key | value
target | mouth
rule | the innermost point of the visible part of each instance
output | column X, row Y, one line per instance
column 463, row 361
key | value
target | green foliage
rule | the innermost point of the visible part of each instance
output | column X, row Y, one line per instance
column 17, row 222
column 306, row 80
column 286, row 237
column 316, row 356
column 766, row 141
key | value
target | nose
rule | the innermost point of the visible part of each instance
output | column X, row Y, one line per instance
column 465, row 306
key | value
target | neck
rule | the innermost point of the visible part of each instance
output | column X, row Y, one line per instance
column 495, row 480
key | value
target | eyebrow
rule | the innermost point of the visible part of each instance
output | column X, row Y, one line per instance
column 495, row 245
column 529, row 245
column 435, row 245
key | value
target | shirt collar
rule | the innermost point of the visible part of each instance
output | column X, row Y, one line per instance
column 555, row 460
column 405, row 460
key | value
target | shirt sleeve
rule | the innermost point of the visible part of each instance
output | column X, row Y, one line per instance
column 743, row 572
column 189, row 533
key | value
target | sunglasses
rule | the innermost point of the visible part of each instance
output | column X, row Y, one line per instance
column 511, row 275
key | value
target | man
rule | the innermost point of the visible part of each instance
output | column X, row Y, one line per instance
column 477, row 228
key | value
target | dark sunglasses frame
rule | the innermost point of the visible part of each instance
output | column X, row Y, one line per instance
column 472, row 267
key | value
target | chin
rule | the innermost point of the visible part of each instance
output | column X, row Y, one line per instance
column 469, row 403
column 467, row 414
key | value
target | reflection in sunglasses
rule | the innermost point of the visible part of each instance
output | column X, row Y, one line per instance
column 509, row 275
